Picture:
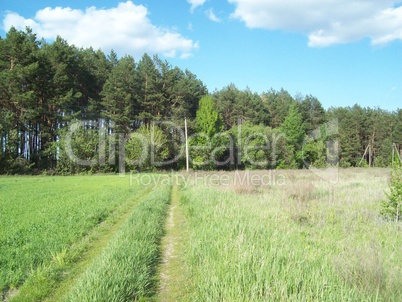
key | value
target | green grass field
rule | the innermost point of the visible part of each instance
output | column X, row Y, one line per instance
column 225, row 236
column 42, row 216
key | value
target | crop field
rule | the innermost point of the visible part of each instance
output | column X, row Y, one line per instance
column 199, row 236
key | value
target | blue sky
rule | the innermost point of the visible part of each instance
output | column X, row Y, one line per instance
column 343, row 52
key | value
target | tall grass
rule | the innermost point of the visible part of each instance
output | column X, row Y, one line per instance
column 126, row 270
column 297, row 238
column 304, row 241
column 41, row 217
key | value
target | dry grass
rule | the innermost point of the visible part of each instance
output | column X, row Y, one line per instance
column 362, row 267
column 319, row 241
column 301, row 192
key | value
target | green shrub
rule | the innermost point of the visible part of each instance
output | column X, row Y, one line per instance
column 392, row 207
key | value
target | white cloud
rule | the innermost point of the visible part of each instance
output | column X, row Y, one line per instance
column 325, row 22
column 211, row 15
column 195, row 4
column 125, row 28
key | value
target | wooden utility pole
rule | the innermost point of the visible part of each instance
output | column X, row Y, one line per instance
column 395, row 153
column 371, row 153
column 370, row 149
column 185, row 131
column 365, row 152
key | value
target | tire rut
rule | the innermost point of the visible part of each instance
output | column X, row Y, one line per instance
column 171, row 271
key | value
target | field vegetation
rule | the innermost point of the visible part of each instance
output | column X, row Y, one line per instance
column 275, row 234
column 306, row 240
column 201, row 236
column 43, row 219
column 125, row 271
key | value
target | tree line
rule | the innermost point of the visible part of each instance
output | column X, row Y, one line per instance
column 68, row 110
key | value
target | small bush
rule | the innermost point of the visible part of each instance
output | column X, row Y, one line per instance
column 392, row 207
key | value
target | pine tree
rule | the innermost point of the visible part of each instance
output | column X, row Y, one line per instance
column 112, row 57
column 187, row 93
column 277, row 104
column 312, row 112
column 118, row 96
column 95, row 71
column 148, row 83
column 18, row 99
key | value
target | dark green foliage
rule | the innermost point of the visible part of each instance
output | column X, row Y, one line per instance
column 149, row 90
column 359, row 127
column 312, row 112
column 277, row 104
column 397, row 127
column 118, row 94
column 45, row 87
column 237, row 106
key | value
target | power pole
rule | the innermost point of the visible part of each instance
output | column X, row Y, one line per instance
column 371, row 150
column 395, row 153
column 185, row 131
column 365, row 152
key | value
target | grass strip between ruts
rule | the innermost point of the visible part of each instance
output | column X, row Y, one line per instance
column 126, row 270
